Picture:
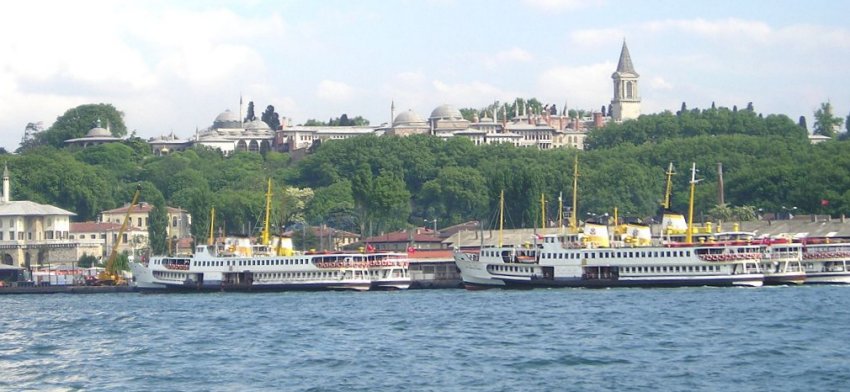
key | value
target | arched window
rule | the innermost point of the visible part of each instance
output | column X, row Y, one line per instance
column 629, row 90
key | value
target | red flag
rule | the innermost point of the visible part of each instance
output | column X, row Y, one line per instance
column 411, row 249
column 370, row 248
column 824, row 202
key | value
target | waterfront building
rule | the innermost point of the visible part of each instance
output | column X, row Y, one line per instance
column 33, row 234
column 418, row 238
column 98, row 238
column 626, row 102
column 94, row 137
column 179, row 220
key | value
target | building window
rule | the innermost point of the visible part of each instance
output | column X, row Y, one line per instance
column 140, row 222
column 124, row 238
column 173, row 221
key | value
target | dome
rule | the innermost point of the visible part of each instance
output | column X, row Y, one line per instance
column 446, row 112
column 257, row 125
column 227, row 119
column 98, row 132
column 407, row 118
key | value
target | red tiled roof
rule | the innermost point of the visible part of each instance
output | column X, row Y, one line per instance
column 403, row 236
column 97, row 227
column 420, row 254
column 139, row 208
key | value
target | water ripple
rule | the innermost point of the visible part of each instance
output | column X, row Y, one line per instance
column 786, row 338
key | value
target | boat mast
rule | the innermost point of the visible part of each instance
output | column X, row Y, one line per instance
column 689, row 238
column 501, row 215
column 542, row 214
column 561, row 212
column 211, row 240
column 574, row 212
column 669, row 189
column 265, row 235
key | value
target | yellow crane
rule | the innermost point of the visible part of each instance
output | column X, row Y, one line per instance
column 110, row 275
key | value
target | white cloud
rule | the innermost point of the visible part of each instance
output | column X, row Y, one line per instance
column 334, row 91
column 584, row 87
column 470, row 94
column 658, row 83
column 514, row 54
column 561, row 5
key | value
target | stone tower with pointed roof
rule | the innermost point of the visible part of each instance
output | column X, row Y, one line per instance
column 626, row 102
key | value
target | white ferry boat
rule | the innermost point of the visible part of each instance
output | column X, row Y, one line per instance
column 590, row 259
column 827, row 263
column 782, row 263
column 208, row 271
column 780, row 259
column 560, row 261
column 389, row 273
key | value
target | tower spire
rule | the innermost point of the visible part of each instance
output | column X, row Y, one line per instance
column 625, row 64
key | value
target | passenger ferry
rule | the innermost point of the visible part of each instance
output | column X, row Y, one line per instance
column 561, row 261
column 208, row 270
column 826, row 262
column 780, row 259
column 389, row 273
column 589, row 259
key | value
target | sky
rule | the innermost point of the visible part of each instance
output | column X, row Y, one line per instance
column 173, row 66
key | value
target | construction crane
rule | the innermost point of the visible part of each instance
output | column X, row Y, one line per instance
column 110, row 275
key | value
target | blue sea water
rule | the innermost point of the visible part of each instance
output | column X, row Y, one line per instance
column 694, row 339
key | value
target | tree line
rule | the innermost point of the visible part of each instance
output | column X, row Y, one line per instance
column 373, row 184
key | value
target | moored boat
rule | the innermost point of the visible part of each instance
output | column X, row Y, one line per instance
column 826, row 263
column 588, row 259
column 208, row 271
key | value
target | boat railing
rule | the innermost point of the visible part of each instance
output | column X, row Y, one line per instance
column 755, row 256
column 809, row 255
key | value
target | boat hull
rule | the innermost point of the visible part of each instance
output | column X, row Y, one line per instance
column 795, row 278
column 744, row 280
column 828, row 278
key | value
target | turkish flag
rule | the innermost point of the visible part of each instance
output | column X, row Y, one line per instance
column 824, row 202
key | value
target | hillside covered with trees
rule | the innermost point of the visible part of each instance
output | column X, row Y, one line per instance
column 375, row 184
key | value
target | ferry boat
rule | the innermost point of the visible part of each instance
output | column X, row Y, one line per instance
column 826, row 263
column 262, row 268
column 589, row 259
column 390, row 272
column 560, row 261
column 208, row 271
column 782, row 263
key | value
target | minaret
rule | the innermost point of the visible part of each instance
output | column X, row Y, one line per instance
column 6, row 194
column 392, row 112
column 626, row 102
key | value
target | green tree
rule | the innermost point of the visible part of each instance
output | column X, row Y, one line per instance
column 825, row 121
column 250, row 115
column 271, row 118
column 86, row 261
column 76, row 122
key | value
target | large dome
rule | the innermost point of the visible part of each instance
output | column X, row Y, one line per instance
column 258, row 125
column 408, row 118
column 446, row 112
column 227, row 119
column 98, row 132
